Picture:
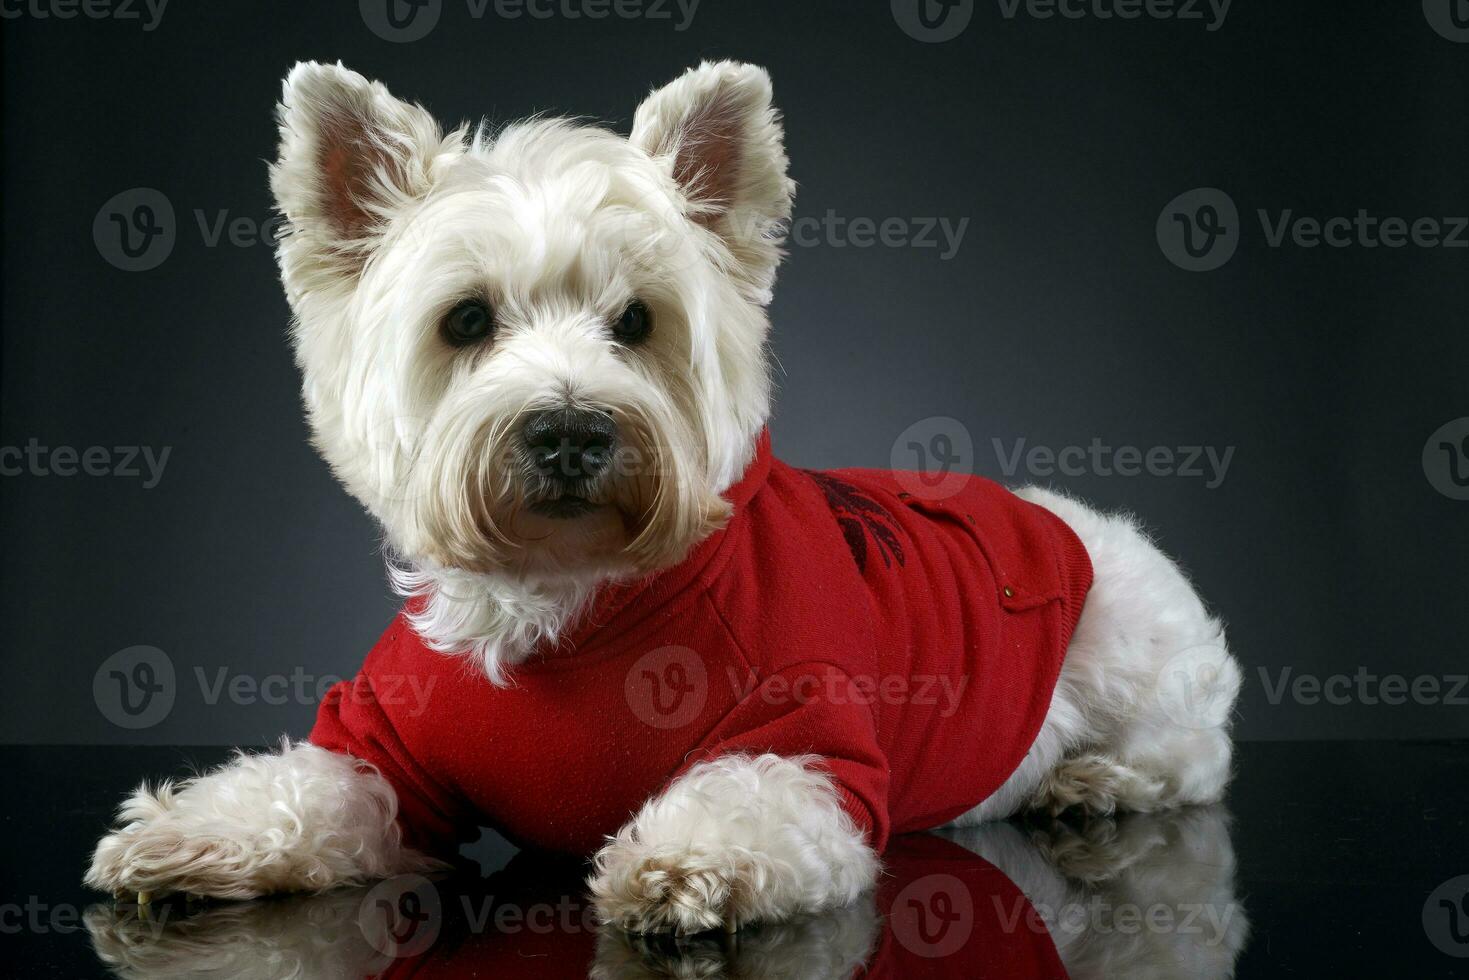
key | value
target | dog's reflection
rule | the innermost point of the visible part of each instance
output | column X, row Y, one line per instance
column 1141, row 896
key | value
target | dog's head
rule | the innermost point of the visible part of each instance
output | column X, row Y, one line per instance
column 542, row 351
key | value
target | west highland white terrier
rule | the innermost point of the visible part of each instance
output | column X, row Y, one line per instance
column 538, row 357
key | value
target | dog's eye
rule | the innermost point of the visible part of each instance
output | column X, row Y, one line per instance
column 635, row 323
column 468, row 323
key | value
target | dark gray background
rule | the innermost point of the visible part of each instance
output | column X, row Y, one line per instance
column 1059, row 320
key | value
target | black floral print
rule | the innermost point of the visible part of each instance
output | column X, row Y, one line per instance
column 859, row 517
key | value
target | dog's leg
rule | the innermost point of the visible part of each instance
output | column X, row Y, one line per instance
column 1148, row 672
column 302, row 819
column 1140, row 716
column 734, row 841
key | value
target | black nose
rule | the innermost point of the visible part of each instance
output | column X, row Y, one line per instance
column 570, row 444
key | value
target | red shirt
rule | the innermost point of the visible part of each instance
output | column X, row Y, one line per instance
column 911, row 641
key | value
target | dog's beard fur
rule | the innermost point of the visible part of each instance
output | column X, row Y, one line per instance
column 557, row 227
column 475, row 489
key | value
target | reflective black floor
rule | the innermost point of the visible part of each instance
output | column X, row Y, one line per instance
column 1330, row 860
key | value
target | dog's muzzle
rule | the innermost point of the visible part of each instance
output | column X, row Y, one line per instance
column 568, row 451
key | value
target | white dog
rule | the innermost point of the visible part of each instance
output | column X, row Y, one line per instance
column 538, row 358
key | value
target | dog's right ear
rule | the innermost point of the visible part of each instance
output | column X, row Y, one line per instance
column 719, row 135
column 351, row 156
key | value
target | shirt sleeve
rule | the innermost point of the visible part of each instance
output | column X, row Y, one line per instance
column 814, row 710
column 351, row 720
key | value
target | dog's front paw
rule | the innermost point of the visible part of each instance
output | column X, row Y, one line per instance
column 155, row 854
column 685, row 891
column 733, row 842
column 300, row 820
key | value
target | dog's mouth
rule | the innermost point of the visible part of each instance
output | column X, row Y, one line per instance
column 564, row 507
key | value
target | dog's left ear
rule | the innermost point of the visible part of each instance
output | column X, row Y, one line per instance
column 351, row 157
column 719, row 135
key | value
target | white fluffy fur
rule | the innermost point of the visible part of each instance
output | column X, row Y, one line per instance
column 1113, row 737
column 302, row 819
column 315, row 937
column 1086, row 882
column 734, row 841
column 556, row 227
column 1083, row 880
column 559, row 225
